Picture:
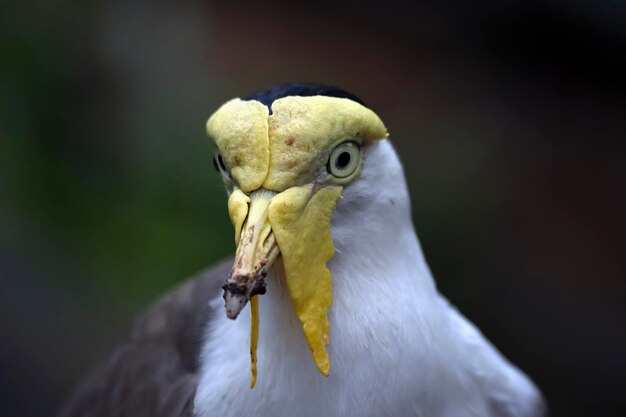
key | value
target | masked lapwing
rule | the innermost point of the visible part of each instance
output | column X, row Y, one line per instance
column 328, row 307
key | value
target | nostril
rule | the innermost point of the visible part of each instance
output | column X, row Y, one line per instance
column 259, row 287
column 234, row 289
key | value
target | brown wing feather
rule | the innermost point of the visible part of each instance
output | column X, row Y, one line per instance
column 153, row 371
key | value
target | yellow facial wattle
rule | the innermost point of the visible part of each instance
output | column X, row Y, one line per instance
column 301, row 215
column 288, row 147
column 238, row 211
column 240, row 131
column 303, row 130
column 286, row 151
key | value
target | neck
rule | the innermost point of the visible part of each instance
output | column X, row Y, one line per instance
column 396, row 347
column 373, row 295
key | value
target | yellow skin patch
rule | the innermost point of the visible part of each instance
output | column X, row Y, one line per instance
column 304, row 130
column 238, row 211
column 240, row 131
column 290, row 146
column 287, row 152
column 254, row 337
column 299, row 215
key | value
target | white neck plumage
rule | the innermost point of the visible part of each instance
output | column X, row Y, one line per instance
column 393, row 344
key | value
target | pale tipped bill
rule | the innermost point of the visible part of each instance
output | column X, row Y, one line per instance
column 256, row 252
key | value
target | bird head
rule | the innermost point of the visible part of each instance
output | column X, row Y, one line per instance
column 286, row 155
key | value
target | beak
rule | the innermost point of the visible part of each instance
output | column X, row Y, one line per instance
column 256, row 252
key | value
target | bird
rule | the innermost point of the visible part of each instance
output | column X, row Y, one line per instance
column 328, row 307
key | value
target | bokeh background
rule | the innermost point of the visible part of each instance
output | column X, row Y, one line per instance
column 510, row 118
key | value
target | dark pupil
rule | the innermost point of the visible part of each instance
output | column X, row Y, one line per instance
column 219, row 163
column 343, row 160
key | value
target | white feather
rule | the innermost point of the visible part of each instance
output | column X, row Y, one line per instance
column 397, row 348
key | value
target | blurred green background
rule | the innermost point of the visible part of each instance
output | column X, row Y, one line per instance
column 510, row 119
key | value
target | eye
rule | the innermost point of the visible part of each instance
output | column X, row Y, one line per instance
column 344, row 160
column 218, row 163
column 220, row 167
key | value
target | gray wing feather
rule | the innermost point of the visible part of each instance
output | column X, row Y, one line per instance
column 153, row 371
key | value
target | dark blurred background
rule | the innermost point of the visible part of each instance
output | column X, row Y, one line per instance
column 510, row 118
